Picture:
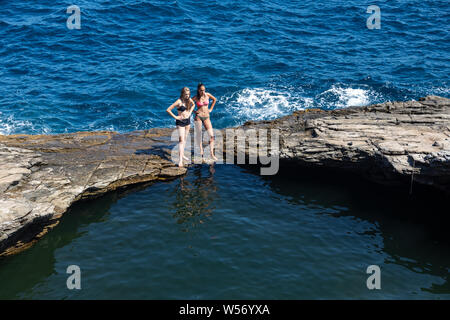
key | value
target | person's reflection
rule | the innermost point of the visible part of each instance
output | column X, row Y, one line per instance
column 195, row 195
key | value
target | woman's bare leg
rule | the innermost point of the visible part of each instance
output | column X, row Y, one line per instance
column 209, row 128
column 182, row 142
column 198, row 133
column 186, row 129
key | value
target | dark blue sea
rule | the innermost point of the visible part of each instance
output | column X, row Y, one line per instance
column 225, row 232
column 261, row 59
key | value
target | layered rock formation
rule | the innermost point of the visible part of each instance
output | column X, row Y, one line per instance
column 390, row 143
column 41, row 176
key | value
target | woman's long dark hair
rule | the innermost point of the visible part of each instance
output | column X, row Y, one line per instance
column 198, row 90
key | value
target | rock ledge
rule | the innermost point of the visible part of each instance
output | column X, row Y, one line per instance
column 42, row 176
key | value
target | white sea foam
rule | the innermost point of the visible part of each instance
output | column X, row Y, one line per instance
column 269, row 103
column 341, row 97
column 8, row 125
column 264, row 104
column 441, row 90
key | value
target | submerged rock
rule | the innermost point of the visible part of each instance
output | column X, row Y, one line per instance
column 42, row 176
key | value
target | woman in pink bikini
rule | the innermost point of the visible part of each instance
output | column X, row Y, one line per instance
column 202, row 116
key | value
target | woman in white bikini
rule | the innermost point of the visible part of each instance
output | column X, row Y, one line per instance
column 185, row 106
column 202, row 117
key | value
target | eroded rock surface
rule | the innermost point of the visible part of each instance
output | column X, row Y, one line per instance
column 387, row 143
column 42, row 176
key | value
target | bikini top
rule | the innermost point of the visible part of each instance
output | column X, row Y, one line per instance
column 182, row 107
column 205, row 103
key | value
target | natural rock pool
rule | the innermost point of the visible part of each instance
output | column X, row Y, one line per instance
column 224, row 232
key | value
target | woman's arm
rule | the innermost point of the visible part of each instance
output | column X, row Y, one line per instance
column 194, row 99
column 214, row 101
column 169, row 109
column 192, row 107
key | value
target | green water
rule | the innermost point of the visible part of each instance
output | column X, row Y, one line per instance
column 225, row 232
